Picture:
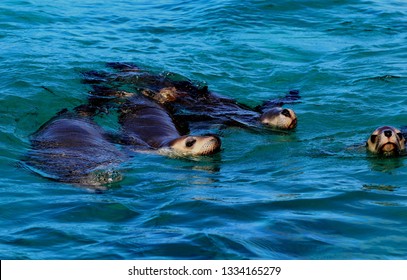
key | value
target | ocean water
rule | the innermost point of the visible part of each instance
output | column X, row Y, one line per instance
column 313, row 193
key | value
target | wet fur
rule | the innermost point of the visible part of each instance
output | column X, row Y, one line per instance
column 72, row 148
column 386, row 141
column 144, row 121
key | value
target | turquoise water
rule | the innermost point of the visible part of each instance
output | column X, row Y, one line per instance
column 310, row 194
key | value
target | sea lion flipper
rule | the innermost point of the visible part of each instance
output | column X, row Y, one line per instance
column 94, row 77
column 123, row 66
column 290, row 98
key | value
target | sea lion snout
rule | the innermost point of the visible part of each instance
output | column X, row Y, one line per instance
column 212, row 146
column 387, row 141
column 214, row 137
column 388, row 133
column 207, row 145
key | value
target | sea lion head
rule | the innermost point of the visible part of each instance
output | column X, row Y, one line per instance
column 279, row 118
column 386, row 141
column 163, row 96
column 196, row 145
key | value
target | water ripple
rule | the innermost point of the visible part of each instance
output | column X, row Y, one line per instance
column 311, row 194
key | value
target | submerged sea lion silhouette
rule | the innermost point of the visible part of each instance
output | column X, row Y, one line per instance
column 189, row 102
column 71, row 148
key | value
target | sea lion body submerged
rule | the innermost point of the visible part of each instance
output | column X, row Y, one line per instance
column 386, row 141
column 144, row 122
column 203, row 106
column 72, row 149
column 191, row 103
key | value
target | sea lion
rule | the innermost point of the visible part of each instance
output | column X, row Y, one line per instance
column 386, row 141
column 145, row 122
column 190, row 102
column 205, row 107
column 72, row 148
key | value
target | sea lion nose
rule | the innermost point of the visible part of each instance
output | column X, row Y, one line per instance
column 388, row 133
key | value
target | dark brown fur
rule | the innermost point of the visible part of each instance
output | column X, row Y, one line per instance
column 72, row 148
column 145, row 122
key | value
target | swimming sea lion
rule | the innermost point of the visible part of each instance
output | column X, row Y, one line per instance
column 144, row 122
column 191, row 102
column 386, row 141
column 205, row 107
column 71, row 148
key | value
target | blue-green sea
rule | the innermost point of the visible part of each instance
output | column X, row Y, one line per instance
column 313, row 193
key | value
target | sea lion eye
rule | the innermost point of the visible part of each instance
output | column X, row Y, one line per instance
column 286, row 113
column 373, row 138
column 400, row 135
column 190, row 142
